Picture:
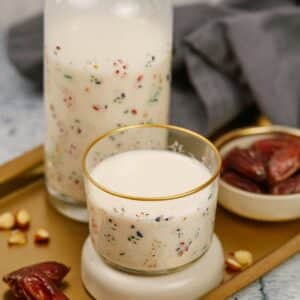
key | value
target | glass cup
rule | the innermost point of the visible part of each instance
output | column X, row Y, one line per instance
column 151, row 230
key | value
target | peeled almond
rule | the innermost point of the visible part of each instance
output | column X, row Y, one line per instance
column 17, row 238
column 245, row 258
column 23, row 219
column 7, row 221
column 232, row 265
column 42, row 236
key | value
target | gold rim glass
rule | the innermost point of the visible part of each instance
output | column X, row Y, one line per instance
column 154, row 137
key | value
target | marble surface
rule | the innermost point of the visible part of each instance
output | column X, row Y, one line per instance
column 21, row 128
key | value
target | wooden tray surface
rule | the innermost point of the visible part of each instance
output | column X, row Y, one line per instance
column 22, row 186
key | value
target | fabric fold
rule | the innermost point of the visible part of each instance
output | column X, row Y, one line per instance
column 227, row 58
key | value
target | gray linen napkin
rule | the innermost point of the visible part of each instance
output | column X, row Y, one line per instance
column 227, row 58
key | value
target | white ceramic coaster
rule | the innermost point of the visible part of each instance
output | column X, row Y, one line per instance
column 105, row 283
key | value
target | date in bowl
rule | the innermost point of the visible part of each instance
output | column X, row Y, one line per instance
column 261, row 173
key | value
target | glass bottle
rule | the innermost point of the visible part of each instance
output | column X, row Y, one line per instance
column 107, row 64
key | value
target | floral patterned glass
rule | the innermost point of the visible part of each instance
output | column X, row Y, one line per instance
column 152, row 234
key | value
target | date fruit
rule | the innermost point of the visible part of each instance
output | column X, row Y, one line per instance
column 290, row 139
column 54, row 272
column 241, row 182
column 246, row 163
column 287, row 187
column 268, row 165
column 284, row 163
column 267, row 147
column 38, row 287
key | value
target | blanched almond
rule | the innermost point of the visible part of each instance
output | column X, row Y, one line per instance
column 7, row 221
column 245, row 258
column 17, row 238
column 232, row 265
column 23, row 219
column 42, row 236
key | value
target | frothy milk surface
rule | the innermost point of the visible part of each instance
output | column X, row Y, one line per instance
column 150, row 173
column 101, row 72
column 150, row 235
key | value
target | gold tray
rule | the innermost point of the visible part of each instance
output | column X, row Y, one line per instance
column 22, row 186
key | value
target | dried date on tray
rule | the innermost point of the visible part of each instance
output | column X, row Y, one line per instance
column 38, row 281
column 38, row 287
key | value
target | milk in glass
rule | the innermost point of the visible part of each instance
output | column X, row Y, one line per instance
column 151, row 236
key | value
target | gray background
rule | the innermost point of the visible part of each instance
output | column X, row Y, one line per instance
column 21, row 128
column 15, row 10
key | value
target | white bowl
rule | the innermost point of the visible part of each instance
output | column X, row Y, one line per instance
column 251, row 205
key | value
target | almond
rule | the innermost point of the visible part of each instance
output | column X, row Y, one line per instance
column 23, row 219
column 42, row 236
column 7, row 221
column 245, row 258
column 17, row 238
column 232, row 265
